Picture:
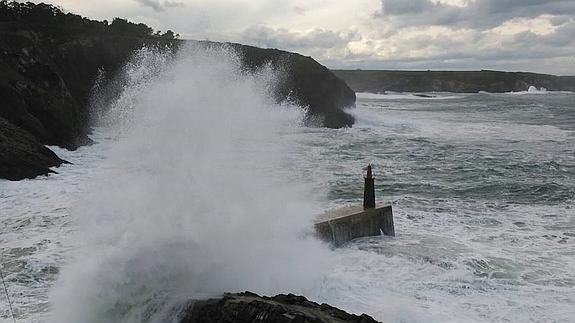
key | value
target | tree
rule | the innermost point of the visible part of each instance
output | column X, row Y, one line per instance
column 122, row 26
column 168, row 35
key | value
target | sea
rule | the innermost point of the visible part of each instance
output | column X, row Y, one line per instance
column 198, row 184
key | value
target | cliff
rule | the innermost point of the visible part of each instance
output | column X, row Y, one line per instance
column 49, row 61
column 306, row 83
column 21, row 155
column 379, row 81
column 248, row 307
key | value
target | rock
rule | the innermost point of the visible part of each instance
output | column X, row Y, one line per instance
column 21, row 155
column 379, row 81
column 35, row 97
column 249, row 307
column 47, row 77
column 306, row 83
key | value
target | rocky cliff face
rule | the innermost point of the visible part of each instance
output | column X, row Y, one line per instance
column 306, row 83
column 248, row 307
column 21, row 155
column 45, row 85
column 452, row 81
column 45, row 90
column 49, row 62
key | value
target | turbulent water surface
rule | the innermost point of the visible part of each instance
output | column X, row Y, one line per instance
column 198, row 184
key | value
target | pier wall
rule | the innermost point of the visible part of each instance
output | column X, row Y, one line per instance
column 343, row 228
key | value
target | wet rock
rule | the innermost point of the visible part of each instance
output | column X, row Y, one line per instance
column 249, row 307
column 21, row 155
column 35, row 96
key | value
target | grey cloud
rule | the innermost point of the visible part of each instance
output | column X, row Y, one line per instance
column 394, row 7
column 157, row 5
column 480, row 14
column 525, row 51
column 299, row 10
column 524, row 45
column 563, row 36
column 513, row 55
column 474, row 48
column 282, row 38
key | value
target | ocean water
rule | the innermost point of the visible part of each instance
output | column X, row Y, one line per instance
column 483, row 190
column 198, row 184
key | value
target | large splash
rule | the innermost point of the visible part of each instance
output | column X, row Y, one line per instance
column 191, row 203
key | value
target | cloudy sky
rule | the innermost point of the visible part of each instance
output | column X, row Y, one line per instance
column 511, row 35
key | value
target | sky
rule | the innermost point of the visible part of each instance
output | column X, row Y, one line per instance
column 509, row 35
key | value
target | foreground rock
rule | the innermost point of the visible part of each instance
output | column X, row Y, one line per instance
column 306, row 83
column 50, row 60
column 248, row 307
column 452, row 81
column 21, row 155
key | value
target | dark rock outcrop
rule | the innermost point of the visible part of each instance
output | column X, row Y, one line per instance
column 21, row 155
column 248, row 307
column 47, row 78
column 379, row 81
column 34, row 95
column 49, row 61
column 306, row 83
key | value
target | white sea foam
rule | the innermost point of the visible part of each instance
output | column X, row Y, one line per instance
column 452, row 127
column 458, row 256
column 190, row 204
column 532, row 90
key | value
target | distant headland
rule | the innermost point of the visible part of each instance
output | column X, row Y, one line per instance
column 380, row 81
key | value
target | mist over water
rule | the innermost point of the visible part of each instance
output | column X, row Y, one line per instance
column 189, row 203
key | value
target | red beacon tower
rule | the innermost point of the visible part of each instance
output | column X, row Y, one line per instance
column 368, row 189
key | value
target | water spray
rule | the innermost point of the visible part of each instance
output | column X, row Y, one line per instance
column 7, row 296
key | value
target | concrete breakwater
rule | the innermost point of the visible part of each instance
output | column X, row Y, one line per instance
column 345, row 224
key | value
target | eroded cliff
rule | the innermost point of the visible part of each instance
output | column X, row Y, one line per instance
column 49, row 61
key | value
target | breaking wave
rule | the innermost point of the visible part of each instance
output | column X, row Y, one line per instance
column 190, row 203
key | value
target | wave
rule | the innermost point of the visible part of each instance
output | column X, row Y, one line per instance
column 532, row 90
column 189, row 204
